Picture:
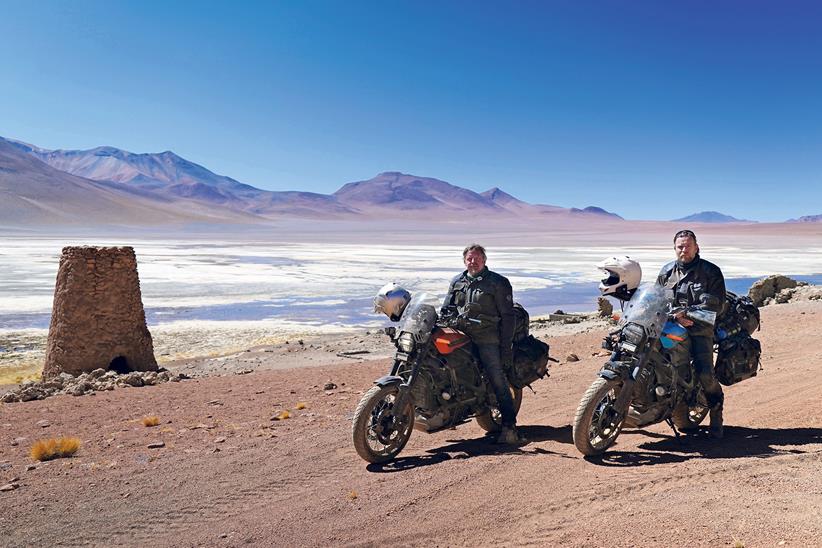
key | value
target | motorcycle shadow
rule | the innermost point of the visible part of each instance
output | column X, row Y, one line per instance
column 465, row 449
column 739, row 442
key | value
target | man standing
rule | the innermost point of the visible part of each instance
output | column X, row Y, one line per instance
column 486, row 299
column 698, row 284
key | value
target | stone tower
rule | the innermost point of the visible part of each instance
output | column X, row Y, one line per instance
column 98, row 321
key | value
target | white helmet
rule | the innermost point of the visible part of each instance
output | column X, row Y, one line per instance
column 391, row 300
column 623, row 277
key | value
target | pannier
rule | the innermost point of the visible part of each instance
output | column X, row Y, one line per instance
column 530, row 361
column 738, row 359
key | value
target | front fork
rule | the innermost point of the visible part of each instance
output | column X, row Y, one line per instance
column 404, row 386
column 629, row 373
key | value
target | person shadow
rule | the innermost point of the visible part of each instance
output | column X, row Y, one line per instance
column 739, row 442
column 474, row 447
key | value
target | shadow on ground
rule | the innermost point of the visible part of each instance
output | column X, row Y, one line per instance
column 739, row 442
column 465, row 449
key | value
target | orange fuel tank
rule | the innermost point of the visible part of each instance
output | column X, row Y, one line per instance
column 447, row 340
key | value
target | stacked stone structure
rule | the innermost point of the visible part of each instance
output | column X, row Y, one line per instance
column 98, row 321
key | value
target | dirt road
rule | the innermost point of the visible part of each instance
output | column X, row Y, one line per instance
column 228, row 475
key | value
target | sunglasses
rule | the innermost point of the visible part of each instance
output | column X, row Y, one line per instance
column 684, row 234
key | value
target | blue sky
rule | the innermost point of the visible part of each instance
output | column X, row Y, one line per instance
column 650, row 109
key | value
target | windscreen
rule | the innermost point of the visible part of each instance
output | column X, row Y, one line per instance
column 648, row 308
column 419, row 317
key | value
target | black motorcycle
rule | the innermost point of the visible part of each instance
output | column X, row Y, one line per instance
column 436, row 382
column 649, row 377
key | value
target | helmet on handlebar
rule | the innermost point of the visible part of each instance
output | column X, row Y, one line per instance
column 623, row 277
column 391, row 301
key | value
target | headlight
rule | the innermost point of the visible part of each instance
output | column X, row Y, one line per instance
column 634, row 334
column 406, row 342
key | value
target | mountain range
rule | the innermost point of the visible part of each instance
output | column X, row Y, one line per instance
column 110, row 185
column 107, row 185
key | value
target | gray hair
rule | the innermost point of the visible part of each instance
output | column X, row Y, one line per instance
column 474, row 247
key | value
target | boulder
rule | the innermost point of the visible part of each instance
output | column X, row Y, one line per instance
column 762, row 291
column 605, row 308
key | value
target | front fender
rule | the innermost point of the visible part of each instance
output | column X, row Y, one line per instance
column 389, row 380
column 613, row 370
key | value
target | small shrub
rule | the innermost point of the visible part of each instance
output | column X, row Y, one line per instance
column 54, row 448
column 151, row 421
column 282, row 415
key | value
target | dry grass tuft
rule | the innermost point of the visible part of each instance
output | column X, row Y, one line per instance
column 54, row 448
column 353, row 495
column 151, row 421
column 282, row 415
column 301, row 405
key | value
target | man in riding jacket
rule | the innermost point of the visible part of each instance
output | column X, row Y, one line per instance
column 698, row 284
column 485, row 300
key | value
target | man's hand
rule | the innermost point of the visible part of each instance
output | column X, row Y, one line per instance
column 682, row 320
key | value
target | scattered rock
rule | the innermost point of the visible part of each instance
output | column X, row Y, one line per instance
column 605, row 308
column 43, row 423
column 30, row 467
column 9, row 487
column 329, row 386
column 572, row 358
column 219, row 440
column 87, row 383
column 244, row 371
column 156, row 445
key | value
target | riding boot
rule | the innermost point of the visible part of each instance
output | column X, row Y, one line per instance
column 509, row 436
column 717, row 430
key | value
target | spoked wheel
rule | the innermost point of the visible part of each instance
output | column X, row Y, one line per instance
column 597, row 423
column 688, row 417
column 491, row 420
column 381, row 430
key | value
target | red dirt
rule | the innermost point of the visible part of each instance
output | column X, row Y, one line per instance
column 299, row 482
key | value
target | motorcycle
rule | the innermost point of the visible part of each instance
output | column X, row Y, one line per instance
column 436, row 382
column 648, row 378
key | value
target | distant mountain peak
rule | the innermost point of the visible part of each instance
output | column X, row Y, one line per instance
column 594, row 210
column 711, row 217
column 499, row 196
column 807, row 219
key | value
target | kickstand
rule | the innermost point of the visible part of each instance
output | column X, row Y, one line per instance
column 532, row 389
column 673, row 427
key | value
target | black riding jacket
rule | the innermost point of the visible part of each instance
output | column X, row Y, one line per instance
column 698, row 284
column 487, row 297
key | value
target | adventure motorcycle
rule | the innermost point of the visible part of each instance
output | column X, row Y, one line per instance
column 436, row 382
column 649, row 377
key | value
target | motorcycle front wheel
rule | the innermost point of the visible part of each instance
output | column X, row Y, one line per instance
column 380, row 430
column 491, row 420
column 597, row 423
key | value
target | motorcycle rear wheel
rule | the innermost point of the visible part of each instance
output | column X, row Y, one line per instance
column 597, row 424
column 379, row 431
column 491, row 420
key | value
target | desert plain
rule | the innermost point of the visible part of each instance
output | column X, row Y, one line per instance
column 222, row 472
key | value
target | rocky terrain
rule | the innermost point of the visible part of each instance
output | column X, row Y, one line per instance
column 224, row 467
